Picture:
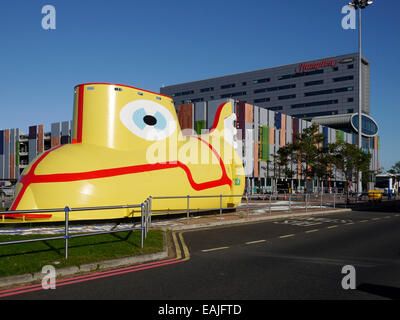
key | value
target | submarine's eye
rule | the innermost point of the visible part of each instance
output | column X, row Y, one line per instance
column 148, row 119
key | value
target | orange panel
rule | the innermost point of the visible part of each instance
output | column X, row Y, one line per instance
column 185, row 116
column 255, row 159
column 271, row 135
column 12, row 166
column 248, row 117
column 55, row 141
column 40, row 139
column 283, row 130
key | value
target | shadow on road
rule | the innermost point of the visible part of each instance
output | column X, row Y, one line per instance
column 380, row 290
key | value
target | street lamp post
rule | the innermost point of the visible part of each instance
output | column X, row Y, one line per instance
column 359, row 4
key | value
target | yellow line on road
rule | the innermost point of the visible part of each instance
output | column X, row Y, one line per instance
column 331, row 227
column 347, row 224
column 214, row 249
column 185, row 248
column 313, row 230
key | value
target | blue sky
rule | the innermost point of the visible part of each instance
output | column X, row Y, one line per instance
column 150, row 43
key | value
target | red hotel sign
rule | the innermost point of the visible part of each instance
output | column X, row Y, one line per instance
column 315, row 65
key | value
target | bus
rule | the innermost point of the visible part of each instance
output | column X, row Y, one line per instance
column 388, row 183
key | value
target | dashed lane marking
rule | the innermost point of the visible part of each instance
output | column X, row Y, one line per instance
column 287, row 236
column 331, row 227
column 214, row 249
column 364, row 220
column 256, row 241
column 313, row 230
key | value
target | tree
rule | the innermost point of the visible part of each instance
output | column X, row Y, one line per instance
column 350, row 160
column 395, row 169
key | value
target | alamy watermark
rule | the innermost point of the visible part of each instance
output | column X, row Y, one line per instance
column 349, row 280
column 349, row 20
column 49, row 20
column 49, row 278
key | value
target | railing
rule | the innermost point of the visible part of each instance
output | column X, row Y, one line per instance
column 305, row 202
column 144, row 227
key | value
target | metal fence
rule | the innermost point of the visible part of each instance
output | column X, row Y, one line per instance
column 143, row 227
column 292, row 202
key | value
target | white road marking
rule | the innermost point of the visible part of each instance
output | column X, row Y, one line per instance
column 313, row 230
column 331, row 227
column 287, row 236
column 363, row 220
column 214, row 249
column 256, row 241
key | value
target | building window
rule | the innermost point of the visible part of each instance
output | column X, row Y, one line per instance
column 314, row 104
column 313, row 83
column 335, row 68
column 234, row 94
column 275, row 108
column 288, row 86
column 184, row 93
column 329, row 91
column 350, row 66
column 350, row 99
column 207, row 89
column 261, row 80
column 289, row 96
column 227, row 86
column 301, row 74
column 345, row 78
column 261, row 100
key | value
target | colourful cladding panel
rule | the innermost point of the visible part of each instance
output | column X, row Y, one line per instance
column 255, row 159
column 199, row 125
column 283, row 130
column 40, row 137
column 12, row 166
column 185, row 116
column 325, row 131
column 264, row 143
column 32, row 132
column 248, row 116
column 271, row 135
column 340, row 135
column 55, row 141
column 278, row 120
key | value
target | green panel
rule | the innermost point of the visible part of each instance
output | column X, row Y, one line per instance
column 199, row 125
column 264, row 143
column 340, row 135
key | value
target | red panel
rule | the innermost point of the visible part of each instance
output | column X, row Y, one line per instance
column 40, row 138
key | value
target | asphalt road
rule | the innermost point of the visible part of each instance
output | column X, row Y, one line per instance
column 298, row 258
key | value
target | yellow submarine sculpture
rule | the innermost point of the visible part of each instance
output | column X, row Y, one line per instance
column 127, row 145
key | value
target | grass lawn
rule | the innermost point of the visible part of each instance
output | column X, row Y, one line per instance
column 31, row 257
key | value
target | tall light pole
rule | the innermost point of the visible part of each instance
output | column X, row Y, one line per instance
column 359, row 4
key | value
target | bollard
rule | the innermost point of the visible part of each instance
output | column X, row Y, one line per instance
column 66, row 236
column 220, row 206
column 270, row 203
column 188, row 209
column 150, row 204
column 142, row 226
column 334, row 200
